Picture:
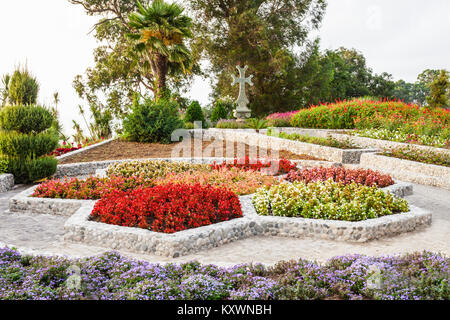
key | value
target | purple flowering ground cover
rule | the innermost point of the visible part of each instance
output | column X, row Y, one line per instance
column 112, row 276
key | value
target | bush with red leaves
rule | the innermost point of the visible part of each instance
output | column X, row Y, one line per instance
column 168, row 208
column 274, row 167
column 346, row 176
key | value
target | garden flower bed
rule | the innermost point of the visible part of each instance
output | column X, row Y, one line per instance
column 239, row 181
column 399, row 136
column 68, row 151
column 91, row 188
column 168, row 208
column 327, row 200
column 418, row 276
column 365, row 177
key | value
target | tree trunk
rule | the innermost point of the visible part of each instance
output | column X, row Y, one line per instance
column 161, row 64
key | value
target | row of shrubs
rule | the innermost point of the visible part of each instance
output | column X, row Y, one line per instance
column 395, row 116
column 110, row 276
column 25, row 140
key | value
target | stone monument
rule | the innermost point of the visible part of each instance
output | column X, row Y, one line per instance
column 242, row 112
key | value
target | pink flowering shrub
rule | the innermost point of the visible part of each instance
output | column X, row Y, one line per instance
column 281, row 119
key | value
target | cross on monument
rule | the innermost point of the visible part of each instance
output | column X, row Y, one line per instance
column 242, row 112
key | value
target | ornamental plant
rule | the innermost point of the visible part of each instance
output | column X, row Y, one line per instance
column 25, row 140
column 327, row 200
column 328, row 141
column 92, row 188
column 364, row 114
column 365, row 177
column 168, row 208
column 111, row 276
column 236, row 180
column 280, row 119
column 152, row 169
column 423, row 156
column 152, row 121
column 273, row 167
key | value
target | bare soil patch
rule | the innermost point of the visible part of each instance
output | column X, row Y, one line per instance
column 121, row 149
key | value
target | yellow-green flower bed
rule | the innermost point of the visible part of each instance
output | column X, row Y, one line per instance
column 327, row 200
column 153, row 169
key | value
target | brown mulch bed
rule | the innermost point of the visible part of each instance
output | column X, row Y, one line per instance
column 120, row 149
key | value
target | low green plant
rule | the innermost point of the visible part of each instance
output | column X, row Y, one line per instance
column 328, row 141
column 424, row 156
column 257, row 124
column 152, row 121
column 231, row 124
column 153, row 168
column 327, row 200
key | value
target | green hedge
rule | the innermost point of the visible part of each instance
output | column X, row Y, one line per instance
column 152, row 121
column 22, row 145
column 26, row 171
column 194, row 113
column 25, row 119
column 25, row 137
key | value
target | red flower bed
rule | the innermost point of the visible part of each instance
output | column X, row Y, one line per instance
column 92, row 188
column 60, row 151
column 274, row 167
column 347, row 176
column 168, row 208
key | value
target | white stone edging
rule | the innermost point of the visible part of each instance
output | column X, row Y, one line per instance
column 75, row 152
column 79, row 228
column 407, row 170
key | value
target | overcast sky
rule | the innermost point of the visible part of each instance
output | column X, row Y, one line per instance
column 401, row 37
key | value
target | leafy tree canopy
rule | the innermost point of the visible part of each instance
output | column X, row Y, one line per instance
column 120, row 70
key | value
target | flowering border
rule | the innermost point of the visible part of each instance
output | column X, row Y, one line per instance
column 79, row 227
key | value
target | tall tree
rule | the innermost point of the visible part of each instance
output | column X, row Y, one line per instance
column 262, row 35
column 5, row 89
column 119, row 69
column 159, row 31
column 438, row 91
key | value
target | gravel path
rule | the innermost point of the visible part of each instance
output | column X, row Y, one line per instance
column 43, row 234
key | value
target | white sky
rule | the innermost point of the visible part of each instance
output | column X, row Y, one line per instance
column 401, row 37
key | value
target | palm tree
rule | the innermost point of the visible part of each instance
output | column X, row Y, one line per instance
column 159, row 31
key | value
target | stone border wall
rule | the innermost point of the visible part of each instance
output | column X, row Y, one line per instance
column 6, row 182
column 406, row 170
column 73, row 153
column 365, row 142
column 79, row 228
column 346, row 156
